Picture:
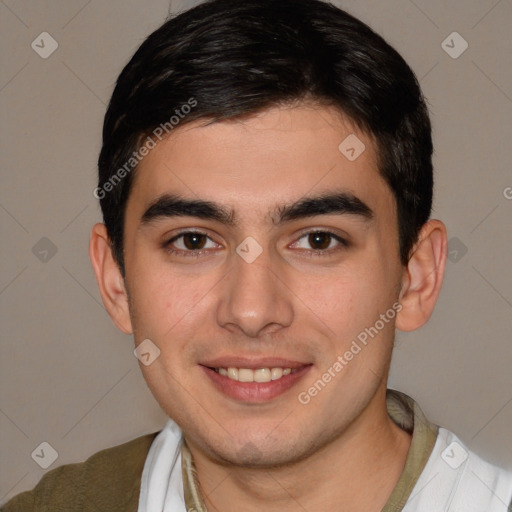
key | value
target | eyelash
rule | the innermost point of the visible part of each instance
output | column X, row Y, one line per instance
column 310, row 252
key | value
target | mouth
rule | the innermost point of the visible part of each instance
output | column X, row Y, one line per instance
column 254, row 381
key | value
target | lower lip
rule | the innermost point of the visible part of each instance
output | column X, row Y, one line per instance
column 254, row 392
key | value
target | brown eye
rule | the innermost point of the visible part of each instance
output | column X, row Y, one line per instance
column 194, row 241
column 190, row 243
column 320, row 240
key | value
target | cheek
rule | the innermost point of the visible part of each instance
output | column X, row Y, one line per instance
column 350, row 301
column 170, row 307
column 348, row 296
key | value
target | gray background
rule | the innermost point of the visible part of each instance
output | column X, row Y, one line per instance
column 69, row 378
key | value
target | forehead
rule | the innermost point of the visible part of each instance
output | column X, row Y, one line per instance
column 257, row 164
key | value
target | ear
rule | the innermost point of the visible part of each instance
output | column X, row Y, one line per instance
column 423, row 277
column 110, row 280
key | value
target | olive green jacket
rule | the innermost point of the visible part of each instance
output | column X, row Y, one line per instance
column 109, row 481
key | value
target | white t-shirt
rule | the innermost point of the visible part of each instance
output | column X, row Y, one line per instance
column 455, row 479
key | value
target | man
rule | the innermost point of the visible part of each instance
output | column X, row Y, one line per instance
column 266, row 187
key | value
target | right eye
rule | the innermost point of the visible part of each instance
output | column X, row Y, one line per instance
column 190, row 243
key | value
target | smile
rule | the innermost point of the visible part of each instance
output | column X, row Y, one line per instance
column 258, row 384
column 258, row 375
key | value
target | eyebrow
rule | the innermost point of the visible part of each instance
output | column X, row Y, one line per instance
column 339, row 203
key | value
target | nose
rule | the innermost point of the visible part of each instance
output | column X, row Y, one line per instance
column 254, row 298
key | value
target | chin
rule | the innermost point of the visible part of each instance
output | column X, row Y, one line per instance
column 265, row 453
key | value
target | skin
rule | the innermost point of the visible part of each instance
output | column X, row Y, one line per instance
column 279, row 454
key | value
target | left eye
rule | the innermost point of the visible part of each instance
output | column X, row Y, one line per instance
column 321, row 240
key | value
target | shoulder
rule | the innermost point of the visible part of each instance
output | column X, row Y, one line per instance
column 458, row 479
column 108, row 480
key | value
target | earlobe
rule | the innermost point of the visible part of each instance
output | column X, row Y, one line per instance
column 110, row 281
column 423, row 277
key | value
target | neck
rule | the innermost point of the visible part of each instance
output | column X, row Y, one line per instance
column 357, row 471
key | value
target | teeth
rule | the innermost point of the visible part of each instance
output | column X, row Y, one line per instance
column 259, row 375
column 276, row 373
column 245, row 375
column 262, row 375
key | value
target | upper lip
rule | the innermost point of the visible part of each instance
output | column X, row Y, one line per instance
column 252, row 363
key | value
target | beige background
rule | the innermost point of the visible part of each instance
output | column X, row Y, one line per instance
column 70, row 379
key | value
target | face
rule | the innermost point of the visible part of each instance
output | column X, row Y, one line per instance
column 293, row 258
